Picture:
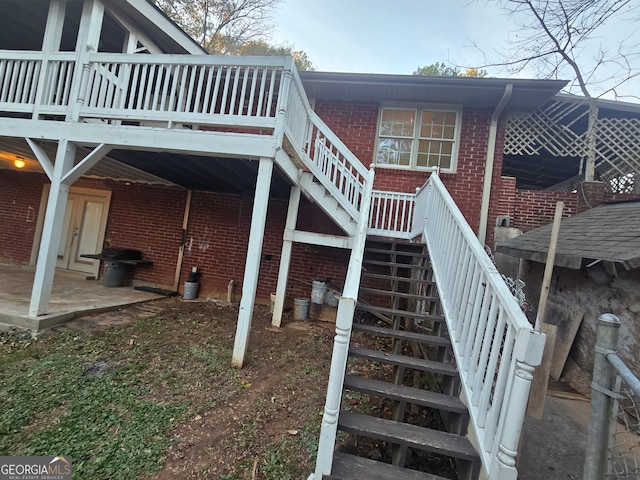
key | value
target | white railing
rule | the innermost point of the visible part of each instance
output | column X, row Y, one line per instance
column 496, row 349
column 221, row 91
column 344, row 322
column 322, row 152
column 35, row 81
column 392, row 214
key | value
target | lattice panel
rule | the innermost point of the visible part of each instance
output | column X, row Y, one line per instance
column 549, row 130
column 544, row 130
column 617, row 142
column 622, row 185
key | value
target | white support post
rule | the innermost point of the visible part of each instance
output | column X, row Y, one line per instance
column 528, row 355
column 252, row 265
column 51, row 230
column 87, row 42
column 50, row 43
column 283, row 100
column 285, row 256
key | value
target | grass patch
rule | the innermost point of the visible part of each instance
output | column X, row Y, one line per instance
column 47, row 407
column 163, row 396
column 293, row 455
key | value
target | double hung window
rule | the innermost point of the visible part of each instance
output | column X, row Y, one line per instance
column 417, row 138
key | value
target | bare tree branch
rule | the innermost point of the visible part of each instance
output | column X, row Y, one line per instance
column 222, row 26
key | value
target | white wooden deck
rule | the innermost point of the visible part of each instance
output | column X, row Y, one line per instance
column 255, row 108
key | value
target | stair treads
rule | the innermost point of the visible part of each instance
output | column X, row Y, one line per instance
column 404, row 361
column 407, row 266
column 413, row 436
column 402, row 334
column 402, row 313
column 387, row 293
column 350, row 467
column 399, row 253
column 403, row 393
column 382, row 276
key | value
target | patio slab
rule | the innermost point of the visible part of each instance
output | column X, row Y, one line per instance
column 72, row 296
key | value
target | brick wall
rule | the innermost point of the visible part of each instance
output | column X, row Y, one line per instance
column 356, row 125
column 149, row 219
column 217, row 237
column 534, row 208
column 20, row 194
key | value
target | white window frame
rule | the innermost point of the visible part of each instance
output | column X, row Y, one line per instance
column 418, row 109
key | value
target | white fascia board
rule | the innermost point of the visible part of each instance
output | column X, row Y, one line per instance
column 224, row 144
column 167, row 26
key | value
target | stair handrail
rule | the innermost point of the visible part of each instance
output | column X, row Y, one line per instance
column 322, row 152
column 344, row 323
column 496, row 349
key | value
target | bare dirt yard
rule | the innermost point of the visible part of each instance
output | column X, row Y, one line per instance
column 148, row 392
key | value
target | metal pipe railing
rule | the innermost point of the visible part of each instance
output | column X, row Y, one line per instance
column 609, row 372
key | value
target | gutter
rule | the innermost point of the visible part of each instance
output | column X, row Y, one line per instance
column 488, row 171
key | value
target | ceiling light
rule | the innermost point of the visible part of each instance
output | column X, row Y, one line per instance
column 19, row 162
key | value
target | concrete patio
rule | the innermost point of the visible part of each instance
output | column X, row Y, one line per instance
column 72, row 296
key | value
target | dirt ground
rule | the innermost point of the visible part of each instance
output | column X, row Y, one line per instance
column 251, row 423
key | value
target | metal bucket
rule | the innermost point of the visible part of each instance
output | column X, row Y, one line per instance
column 300, row 308
column 190, row 290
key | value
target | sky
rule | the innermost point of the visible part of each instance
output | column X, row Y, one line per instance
column 397, row 36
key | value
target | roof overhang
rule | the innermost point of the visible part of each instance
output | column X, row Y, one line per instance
column 609, row 232
column 471, row 92
column 158, row 26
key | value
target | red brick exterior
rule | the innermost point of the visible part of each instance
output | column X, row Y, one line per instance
column 356, row 125
column 534, row 208
column 149, row 218
column 20, row 195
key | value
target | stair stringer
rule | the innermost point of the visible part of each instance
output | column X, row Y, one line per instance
column 317, row 193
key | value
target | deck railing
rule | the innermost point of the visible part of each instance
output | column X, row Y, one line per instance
column 495, row 348
column 36, row 82
column 322, row 152
column 219, row 91
column 392, row 214
column 235, row 94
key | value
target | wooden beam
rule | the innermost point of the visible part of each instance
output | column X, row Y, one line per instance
column 252, row 264
column 52, row 230
column 221, row 144
column 541, row 375
column 285, row 256
column 185, row 223
column 86, row 163
column 323, row 239
column 43, row 158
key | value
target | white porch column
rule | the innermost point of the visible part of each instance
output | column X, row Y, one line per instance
column 52, row 229
column 285, row 256
column 252, row 265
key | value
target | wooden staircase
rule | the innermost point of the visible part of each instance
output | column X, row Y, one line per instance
column 420, row 433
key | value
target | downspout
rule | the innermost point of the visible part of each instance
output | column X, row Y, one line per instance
column 488, row 171
column 183, row 241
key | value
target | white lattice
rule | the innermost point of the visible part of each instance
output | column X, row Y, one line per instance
column 553, row 130
column 545, row 129
column 617, row 144
column 623, row 185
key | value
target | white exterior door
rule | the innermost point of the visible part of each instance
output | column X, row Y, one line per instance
column 83, row 230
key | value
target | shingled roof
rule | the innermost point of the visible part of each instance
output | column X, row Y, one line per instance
column 610, row 232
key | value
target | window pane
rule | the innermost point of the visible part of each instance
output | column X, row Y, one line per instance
column 397, row 123
column 440, row 125
column 433, row 153
column 393, row 151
